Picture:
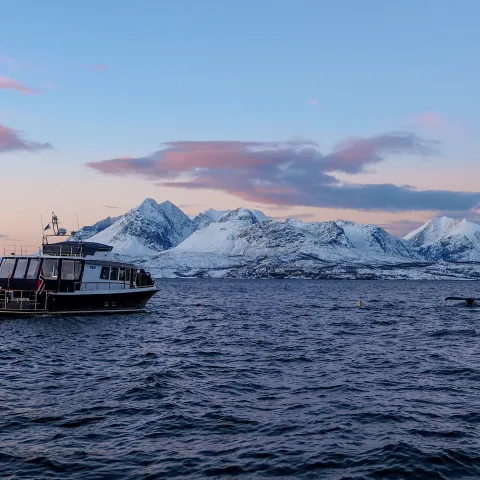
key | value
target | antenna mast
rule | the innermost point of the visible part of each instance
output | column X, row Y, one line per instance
column 56, row 230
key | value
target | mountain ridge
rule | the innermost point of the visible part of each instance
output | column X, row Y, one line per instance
column 246, row 243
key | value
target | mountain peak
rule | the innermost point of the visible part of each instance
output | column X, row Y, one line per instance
column 209, row 216
column 447, row 239
column 242, row 214
column 149, row 201
column 432, row 231
column 147, row 229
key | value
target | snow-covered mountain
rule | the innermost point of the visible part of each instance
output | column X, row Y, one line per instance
column 220, row 234
column 244, row 243
column 209, row 216
column 240, row 245
column 374, row 239
column 147, row 229
column 205, row 218
column 241, row 233
column 447, row 239
column 89, row 231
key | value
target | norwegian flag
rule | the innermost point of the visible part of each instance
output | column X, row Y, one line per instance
column 41, row 282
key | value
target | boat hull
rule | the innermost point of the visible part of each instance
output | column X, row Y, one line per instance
column 86, row 302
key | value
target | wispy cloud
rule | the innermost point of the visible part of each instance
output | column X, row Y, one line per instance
column 293, row 173
column 98, row 67
column 313, row 101
column 11, row 140
column 11, row 84
column 298, row 216
column 10, row 63
column 111, row 206
column 430, row 120
column 188, row 205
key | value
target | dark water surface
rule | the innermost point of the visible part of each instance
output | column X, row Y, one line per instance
column 248, row 379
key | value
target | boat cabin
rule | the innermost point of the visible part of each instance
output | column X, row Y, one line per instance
column 71, row 266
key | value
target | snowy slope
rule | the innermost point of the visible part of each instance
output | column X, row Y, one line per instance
column 147, row 229
column 220, row 236
column 447, row 239
column 205, row 218
column 240, row 233
column 240, row 243
column 373, row 239
column 89, row 231
column 432, row 231
column 209, row 216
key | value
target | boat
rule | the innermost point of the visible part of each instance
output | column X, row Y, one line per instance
column 71, row 277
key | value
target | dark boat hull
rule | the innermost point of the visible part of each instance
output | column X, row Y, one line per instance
column 86, row 302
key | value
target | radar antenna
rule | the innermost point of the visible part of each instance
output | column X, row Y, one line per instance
column 53, row 225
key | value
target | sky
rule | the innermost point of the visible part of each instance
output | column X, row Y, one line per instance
column 366, row 111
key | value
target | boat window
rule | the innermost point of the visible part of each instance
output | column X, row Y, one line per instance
column 105, row 274
column 121, row 277
column 68, row 269
column 127, row 275
column 78, row 269
column 21, row 268
column 50, row 269
column 114, row 273
column 33, row 268
column 6, row 268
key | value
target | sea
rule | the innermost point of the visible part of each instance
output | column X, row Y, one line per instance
column 249, row 379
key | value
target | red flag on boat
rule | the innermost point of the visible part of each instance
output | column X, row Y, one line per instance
column 41, row 282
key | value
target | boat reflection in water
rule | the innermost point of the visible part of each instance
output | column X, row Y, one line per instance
column 71, row 277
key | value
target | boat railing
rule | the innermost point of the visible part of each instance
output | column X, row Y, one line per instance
column 22, row 300
column 88, row 286
column 83, row 286
column 64, row 251
column 29, row 250
column 20, row 250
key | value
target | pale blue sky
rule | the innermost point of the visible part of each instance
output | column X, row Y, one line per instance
column 224, row 70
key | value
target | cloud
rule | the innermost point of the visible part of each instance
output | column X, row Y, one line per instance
column 10, row 62
column 11, row 140
column 292, row 173
column 428, row 120
column 11, row 84
column 110, row 206
column 298, row 216
column 187, row 205
column 313, row 101
column 97, row 67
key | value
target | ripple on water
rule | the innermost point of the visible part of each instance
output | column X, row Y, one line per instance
column 247, row 379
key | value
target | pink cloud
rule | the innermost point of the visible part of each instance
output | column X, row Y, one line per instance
column 352, row 154
column 10, row 62
column 11, row 140
column 97, row 67
column 292, row 173
column 429, row 119
column 313, row 101
column 11, row 84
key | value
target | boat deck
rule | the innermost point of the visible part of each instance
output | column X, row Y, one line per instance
column 19, row 300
